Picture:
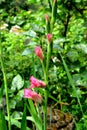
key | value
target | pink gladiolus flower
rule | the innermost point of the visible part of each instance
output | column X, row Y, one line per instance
column 49, row 37
column 32, row 95
column 36, row 83
column 47, row 17
column 39, row 52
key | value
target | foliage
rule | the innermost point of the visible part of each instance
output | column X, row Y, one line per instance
column 69, row 40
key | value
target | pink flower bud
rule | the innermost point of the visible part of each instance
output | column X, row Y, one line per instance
column 54, row 1
column 39, row 52
column 32, row 95
column 49, row 37
column 36, row 83
column 47, row 17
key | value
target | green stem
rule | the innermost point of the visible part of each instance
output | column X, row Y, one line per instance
column 33, row 65
column 45, row 114
column 54, row 13
column 5, row 85
column 46, row 80
column 48, row 58
column 44, row 71
column 45, row 95
column 45, row 92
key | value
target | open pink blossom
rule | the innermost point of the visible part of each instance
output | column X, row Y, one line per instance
column 32, row 95
column 39, row 52
column 36, row 83
column 49, row 37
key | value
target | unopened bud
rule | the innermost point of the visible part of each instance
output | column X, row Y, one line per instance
column 49, row 37
column 47, row 17
column 54, row 1
column 39, row 52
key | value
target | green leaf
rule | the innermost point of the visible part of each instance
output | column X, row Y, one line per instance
column 38, row 29
column 16, row 115
column 73, row 55
column 17, row 98
column 78, row 1
column 1, row 93
column 23, row 122
column 33, row 110
column 16, row 123
column 31, row 33
column 2, row 121
column 37, row 120
column 27, row 51
column 71, row 82
column 17, row 83
column 82, row 48
column 12, row 104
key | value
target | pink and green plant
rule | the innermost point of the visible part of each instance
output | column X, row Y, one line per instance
column 28, row 93
column 38, row 85
column 39, row 52
column 42, row 96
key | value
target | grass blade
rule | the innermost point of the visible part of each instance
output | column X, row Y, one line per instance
column 2, row 121
column 71, row 82
column 36, row 119
column 23, row 122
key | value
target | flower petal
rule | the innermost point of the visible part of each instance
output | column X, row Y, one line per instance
column 28, row 93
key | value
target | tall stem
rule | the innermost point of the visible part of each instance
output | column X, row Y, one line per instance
column 5, row 85
column 45, row 114
column 45, row 95
column 48, row 58
column 45, row 74
column 45, row 70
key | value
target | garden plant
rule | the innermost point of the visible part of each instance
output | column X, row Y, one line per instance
column 43, row 66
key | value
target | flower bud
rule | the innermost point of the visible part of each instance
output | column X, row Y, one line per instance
column 54, row 1
column 49, row 37
column 47, row 17
column 47, row 23
column 39, row 52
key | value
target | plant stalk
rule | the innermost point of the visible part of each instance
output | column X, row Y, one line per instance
column 48, row 58
column 46, row 80
column 5, row 85
column 44, row 71
column 45, row 114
